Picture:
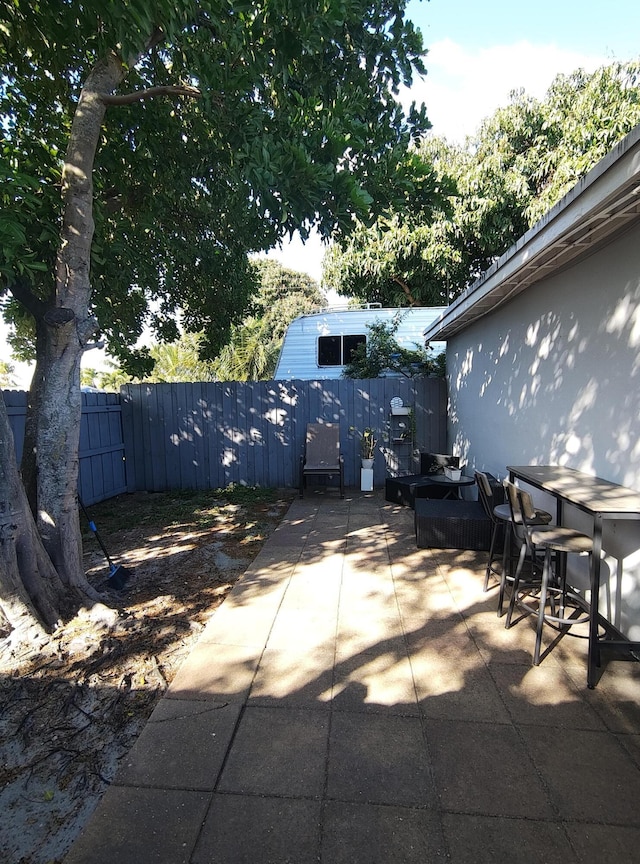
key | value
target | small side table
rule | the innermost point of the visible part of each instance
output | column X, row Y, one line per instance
column 452, row 487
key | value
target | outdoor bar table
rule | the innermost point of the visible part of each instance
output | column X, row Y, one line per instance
column 602, row 500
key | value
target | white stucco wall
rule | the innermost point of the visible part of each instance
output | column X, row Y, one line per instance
column 553, row 377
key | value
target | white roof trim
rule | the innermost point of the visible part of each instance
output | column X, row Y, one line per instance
column 599, row 207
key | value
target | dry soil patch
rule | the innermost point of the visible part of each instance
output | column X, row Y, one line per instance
column 70, row 714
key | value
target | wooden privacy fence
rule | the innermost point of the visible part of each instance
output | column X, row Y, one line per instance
column 102, row 457
column 208, row 435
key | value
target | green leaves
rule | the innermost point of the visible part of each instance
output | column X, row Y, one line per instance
column 471, row 203
column 253, row 350
column 381, row 353
column 297, row 128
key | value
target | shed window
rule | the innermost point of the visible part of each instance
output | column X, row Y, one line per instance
column 337, row 350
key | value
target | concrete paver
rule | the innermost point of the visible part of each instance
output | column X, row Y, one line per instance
column 138, row 824
column 278, row 752
column 379, row 759
column 356, row 700
column 246, row 829
column 164, row 755
column 379, row 834
column 482, row 840
column 484, row 768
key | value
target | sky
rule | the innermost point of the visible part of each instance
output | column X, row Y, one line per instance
column 478, row 52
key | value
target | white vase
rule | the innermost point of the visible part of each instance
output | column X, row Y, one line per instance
column 367, row 463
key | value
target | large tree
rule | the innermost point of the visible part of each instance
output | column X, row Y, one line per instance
column 522, row 160
column 147, row 147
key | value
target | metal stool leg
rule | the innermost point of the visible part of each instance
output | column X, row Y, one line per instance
column 514, row 587
column 506, row 567
column 489, row 569
column 546, row 572
column 562, row 598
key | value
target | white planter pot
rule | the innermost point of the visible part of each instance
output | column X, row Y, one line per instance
column 366, row 479
column 367, row 463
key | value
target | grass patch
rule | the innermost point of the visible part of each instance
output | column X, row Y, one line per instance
column 195, row 508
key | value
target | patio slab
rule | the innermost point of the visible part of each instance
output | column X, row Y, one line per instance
column 247, row 829
column 278, row 752
column 376, row 834
column 142, row 825
column 484, row 768
column 379, row 759
column 356, row 700
column 183, row 746
column 487, row 840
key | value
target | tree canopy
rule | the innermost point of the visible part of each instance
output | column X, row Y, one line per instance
column 148, row 147
column 382, row 353
column 294, row 125
column 253, row 350
column 522, row 160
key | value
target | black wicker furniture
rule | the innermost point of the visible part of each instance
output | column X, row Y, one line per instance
column 405, row 489
column 451, row 524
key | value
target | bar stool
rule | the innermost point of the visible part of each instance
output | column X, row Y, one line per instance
column 520, row 519
column 500, row 515
column 559, row 541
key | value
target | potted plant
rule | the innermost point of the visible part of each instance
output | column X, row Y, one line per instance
column 367, row 447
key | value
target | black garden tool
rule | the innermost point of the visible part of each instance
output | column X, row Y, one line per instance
column 118, row 574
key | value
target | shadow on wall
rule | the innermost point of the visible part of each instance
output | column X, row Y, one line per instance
column 557, row 390
column 548, row 379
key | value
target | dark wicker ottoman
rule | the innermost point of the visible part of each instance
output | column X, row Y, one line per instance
column 451, row 525
column 402, row 490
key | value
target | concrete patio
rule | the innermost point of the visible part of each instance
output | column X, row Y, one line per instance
column 355, row 700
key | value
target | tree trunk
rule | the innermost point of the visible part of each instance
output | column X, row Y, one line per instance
column 56, row 399
column 30, row 590
column 41, row 561
column 28, row 468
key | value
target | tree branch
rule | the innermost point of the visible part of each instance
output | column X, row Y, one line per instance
column 150, row 93
column 20, row 289
column 405, row 288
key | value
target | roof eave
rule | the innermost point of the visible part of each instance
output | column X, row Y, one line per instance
column 602, row 205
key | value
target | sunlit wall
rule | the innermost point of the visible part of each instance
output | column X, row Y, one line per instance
column 553, row 377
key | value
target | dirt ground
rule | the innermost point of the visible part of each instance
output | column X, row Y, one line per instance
column 70, row 714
